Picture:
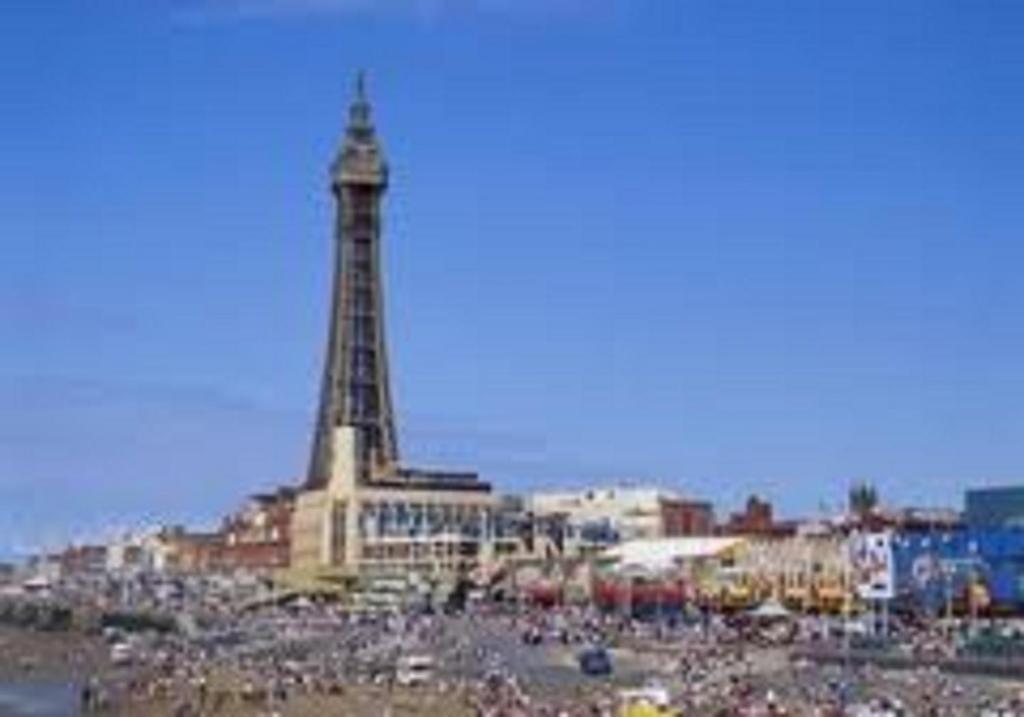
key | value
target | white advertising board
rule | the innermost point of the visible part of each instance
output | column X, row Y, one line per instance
column 871, row 563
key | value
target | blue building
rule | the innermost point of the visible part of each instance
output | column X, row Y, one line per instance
column 995, row 507
column 934, row 567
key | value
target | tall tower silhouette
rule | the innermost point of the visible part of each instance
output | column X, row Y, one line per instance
column 355, row 389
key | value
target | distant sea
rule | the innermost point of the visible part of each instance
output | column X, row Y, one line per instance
column 38, row 699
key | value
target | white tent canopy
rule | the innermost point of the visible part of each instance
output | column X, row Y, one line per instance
column 770, row 610
column 659, row 555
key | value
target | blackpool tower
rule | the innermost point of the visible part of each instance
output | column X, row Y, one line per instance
column 360, row 512
column 355, row 389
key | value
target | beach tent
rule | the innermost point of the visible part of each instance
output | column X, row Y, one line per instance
column 770, row 610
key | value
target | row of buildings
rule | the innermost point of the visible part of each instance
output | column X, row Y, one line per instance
column 592, row 544
column 424, row 534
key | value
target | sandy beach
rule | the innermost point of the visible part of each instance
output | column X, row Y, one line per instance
column 42, row 668
column 27, row 654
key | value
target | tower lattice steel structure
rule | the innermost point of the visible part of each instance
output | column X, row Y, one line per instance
column 355, row 390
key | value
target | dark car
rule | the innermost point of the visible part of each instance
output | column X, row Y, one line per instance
column 595, row 661
column 532, row 636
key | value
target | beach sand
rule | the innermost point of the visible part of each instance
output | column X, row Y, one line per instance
column 33, row 655
column 68, row 659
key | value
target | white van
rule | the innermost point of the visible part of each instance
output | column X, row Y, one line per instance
column 414, row 670
column 121, row 653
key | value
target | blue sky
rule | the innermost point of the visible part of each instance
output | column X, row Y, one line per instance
column 721, row 245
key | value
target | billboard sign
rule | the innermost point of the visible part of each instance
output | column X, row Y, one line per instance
column 872, row 568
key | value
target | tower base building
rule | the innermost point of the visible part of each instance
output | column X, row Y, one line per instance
column 432, row 524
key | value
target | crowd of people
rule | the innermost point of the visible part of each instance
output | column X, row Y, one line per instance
column 291, row 655
column 515, row 663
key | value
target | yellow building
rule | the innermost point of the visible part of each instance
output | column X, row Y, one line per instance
column 806, row 572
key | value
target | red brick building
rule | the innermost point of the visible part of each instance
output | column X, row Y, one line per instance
column 190, row 552
column 757, row 518
column 681, row 517
column 81, row 559
column 256, row 538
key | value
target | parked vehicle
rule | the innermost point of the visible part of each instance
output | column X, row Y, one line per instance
column 414, row 670
column 121, row 653
column 595, row 661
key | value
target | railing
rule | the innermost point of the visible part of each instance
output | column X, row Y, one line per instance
column 991, row 666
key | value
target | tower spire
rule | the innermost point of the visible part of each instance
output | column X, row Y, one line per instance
column 361, row 84
column 360, row 124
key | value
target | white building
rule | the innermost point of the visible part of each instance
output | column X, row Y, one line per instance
column 597, row 517
column 632, row 512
